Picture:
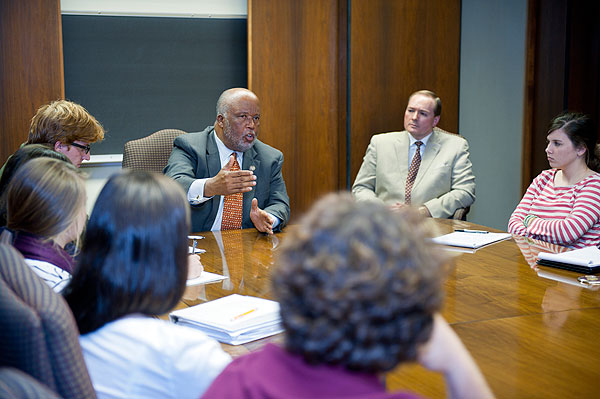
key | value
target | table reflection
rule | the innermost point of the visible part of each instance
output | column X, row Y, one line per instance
column 245, row 257
column 530, row 248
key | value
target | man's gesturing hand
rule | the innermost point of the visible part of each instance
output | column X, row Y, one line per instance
column 229, row 181
column 261, row 219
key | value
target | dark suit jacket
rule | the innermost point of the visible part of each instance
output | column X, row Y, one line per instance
column 196, row 156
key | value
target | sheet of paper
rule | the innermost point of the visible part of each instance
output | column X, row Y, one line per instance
column 470, row 240
column 205, row 278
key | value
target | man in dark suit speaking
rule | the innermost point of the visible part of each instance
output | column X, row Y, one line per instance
column 222, row 194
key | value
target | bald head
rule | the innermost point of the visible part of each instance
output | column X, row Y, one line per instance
column 229, row 96
column 238, row 119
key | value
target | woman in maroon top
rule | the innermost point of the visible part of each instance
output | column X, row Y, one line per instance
column 360, row 290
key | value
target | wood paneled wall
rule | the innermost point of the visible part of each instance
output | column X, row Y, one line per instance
column 315, row 96
column 563, row 60
column 298, row 66
column 31, row 66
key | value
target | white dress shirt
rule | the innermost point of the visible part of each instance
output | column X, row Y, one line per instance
column 53, row 275
column 142, row 357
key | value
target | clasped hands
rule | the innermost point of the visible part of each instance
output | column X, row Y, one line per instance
column 228, row 182
column 399, row 205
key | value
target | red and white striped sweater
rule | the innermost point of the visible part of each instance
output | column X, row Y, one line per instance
column 567, row 215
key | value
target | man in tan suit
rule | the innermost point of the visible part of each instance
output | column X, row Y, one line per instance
column 419, row 166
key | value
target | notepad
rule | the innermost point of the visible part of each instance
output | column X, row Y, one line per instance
column 584, row 260
column 470, row 240
column 205, row 278
column 234, row 319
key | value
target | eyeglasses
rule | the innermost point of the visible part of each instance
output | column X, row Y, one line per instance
column 85, row 148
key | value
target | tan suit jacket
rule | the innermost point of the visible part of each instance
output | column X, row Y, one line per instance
column 444, row 183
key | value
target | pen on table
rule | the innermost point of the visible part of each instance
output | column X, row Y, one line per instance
column 472, row 231
column 195, row 242
column 244, row 314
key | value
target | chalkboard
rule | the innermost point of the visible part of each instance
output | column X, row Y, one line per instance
column 137, row 75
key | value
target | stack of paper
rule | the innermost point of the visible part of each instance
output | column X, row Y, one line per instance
column 470, row 240
column 234, row 319
column 584, row 260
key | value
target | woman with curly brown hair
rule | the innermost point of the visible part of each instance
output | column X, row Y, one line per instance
column 360, row 290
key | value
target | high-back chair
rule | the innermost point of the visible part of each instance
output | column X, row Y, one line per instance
column 38, row 334
column 460, row 213
column 15, row 384
column 150, row 153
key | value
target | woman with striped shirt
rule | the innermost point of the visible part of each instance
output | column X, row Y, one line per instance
column 562, row 204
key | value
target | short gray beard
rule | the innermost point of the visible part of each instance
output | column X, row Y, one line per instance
column 238, row 142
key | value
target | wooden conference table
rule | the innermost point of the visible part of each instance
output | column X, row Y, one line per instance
column 532, row 335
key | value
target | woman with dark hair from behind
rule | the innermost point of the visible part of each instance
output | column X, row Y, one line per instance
column 133, row 265
column 562, row 204
column 22, row 155
column 45, row 211
column 360, row 289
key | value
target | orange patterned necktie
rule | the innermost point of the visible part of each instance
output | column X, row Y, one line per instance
column 412, row 172
column 233, row 205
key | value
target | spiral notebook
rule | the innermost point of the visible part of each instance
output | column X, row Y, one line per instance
column 585, row 260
